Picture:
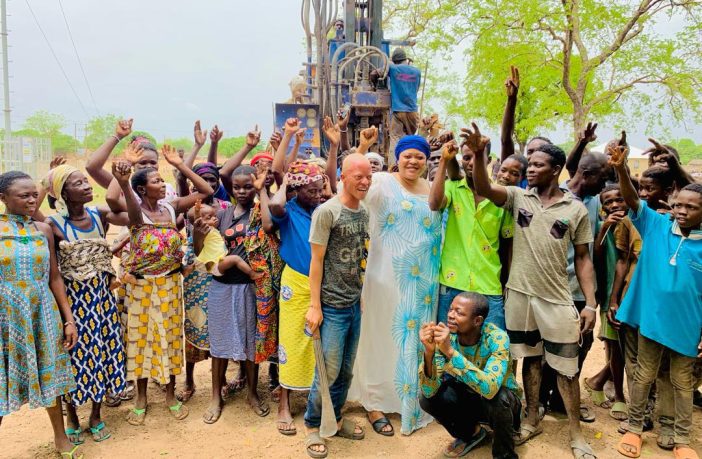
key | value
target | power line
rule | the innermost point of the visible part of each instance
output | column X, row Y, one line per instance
column 51, row 48
column 80, row 63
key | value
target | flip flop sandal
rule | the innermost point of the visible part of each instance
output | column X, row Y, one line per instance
column 215, row 415
column 598, row 397
column 185, row 395
column 467, row 446
column 313, row 439
column 71, row 454
column 229, row 391
column 76, row 434
column 581, row 450
column 526, row 433
column 128, row 393
column 378, row 425
column 666, row 441
column 586, row 415
column 348, row 430
column 685, row 452
column 113, row 400
column 136, row 416
column 261, row 409
column 179, row 411
column 100, row 433
column 619, row 411
column 287, row 427
column 632, row 440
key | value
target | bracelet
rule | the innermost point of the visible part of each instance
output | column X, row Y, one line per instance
column 345, row 130
column 590, row 308
column 70, row 322
column 116, row 137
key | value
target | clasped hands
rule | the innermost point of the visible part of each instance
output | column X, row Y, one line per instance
column 435, row 336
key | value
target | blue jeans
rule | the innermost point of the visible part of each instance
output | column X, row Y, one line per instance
column 340, row 331
column 496, row 303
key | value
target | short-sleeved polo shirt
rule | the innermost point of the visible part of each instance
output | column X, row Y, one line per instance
column 470, row 259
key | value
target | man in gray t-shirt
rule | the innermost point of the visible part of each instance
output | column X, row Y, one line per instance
column 338, row 238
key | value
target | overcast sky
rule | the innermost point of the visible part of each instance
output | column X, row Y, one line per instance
column 165, row 63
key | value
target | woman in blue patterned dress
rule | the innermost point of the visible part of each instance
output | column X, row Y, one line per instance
column 85, row 261
column 36, row 325
column 399, row 291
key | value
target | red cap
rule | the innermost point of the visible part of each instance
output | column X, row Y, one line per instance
column 261, row 156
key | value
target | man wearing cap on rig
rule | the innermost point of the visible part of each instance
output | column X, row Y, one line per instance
column 404, row 80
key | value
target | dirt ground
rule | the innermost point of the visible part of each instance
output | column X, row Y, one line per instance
column 240, row 433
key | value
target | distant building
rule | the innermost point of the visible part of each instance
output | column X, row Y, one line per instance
column 638, row 162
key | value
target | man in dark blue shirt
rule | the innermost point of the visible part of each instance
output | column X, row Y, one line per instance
column 404, row 82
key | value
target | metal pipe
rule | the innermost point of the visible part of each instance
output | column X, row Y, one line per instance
column 305, row 17
column 5, row 75
column 334, row 77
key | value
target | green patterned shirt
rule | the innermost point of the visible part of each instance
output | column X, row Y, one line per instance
column 484, row 367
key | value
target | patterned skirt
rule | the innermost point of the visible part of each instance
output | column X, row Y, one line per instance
column 34, row 367
column 98, row 358
column 154, row 328
column 295, row 348
column 196, row 287
column 232, row 320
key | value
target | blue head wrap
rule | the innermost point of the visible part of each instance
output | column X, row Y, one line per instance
column 416, row 142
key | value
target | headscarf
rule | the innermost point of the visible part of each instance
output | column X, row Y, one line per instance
column 416, row 142
column 144, row 142
column 55, row 181
column 321, row 162
column 301, row 173
column 260, row 156
column 206, row 168
column 375, row 156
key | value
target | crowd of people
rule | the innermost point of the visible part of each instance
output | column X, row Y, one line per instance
column 414, row 288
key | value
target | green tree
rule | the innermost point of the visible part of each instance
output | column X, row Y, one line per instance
column 579, row 59
column 182, row 142
column 98, row 129
column 44, row 123
column 688, row 150
column 230, row 145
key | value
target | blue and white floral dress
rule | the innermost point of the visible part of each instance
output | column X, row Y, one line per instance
column 399, row 295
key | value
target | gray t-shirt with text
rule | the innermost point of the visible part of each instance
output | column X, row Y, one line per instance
column 344, row 232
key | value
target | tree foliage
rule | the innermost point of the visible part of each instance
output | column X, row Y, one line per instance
column 99, row 129
column 579, row 59
column 688, row 150
column 44, row 123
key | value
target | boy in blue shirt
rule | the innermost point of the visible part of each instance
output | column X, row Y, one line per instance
column 670, row 266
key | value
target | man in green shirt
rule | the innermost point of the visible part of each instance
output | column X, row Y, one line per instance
column 470, row 260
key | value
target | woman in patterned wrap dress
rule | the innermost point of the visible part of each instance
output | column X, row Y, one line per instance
column 85, row 261
column 36, row 324
column 153, row 280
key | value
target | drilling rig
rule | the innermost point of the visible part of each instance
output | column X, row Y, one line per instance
column 343, row 48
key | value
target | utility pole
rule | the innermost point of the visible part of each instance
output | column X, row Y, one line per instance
column 5, row 73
